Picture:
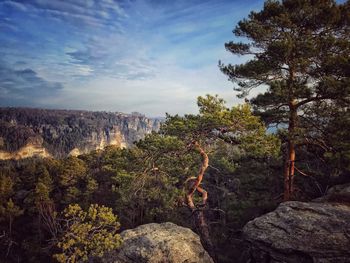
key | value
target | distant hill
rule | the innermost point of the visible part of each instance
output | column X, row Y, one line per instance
column 27, row 132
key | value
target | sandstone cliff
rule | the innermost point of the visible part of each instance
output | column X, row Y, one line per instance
column 28, row 132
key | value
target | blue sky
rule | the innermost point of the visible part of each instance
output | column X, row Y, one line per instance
column 150, row 56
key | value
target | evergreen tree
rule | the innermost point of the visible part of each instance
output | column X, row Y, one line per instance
column 87, row 234
column 201, row 133
column 72, row 174
column 301, row 51
column 9, row 211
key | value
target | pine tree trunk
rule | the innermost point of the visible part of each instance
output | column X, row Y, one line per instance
column 198, row 214
column 289, row 169
column 202, row 228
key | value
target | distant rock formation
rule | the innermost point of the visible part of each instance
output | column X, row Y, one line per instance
column 159, row 243
column 33, row 147
column 302, row 232
column 26, row 132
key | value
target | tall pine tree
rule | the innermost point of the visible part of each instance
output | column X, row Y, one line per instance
column 300, row 51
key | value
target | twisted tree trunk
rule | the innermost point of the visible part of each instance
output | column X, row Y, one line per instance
column 198, row 212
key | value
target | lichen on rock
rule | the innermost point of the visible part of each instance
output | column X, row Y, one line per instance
column 156, row 243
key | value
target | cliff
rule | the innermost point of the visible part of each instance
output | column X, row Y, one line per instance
column 26, row 132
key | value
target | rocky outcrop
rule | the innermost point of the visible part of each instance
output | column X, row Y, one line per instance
column 156, row 243
column 300, row 232
column 33, row 148
column 68, row 132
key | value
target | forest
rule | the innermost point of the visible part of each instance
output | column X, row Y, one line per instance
column 212, row 171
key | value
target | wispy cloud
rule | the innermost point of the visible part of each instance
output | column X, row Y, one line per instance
column 24, row 86
column 119, row 55
column 92, row 13
column 15, row 5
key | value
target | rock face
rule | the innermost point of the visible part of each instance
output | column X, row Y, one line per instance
column 299, row 232
column 159, row 243
column 33, row 147
column 60, row 133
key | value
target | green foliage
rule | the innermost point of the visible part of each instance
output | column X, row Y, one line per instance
column 299, row 51
column 295, row 46
column 8, row 209
column 333, row 136
column 87, row 233
column 72, row 174
column 44, row 186
column 339, row 138
column 142, row 184
column 211, row 105
column 71, row 170
column 145, row 179
column 9, row 212
column 237, row 126
column 6, row 187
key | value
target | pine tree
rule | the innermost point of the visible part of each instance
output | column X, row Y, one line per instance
column 9, row 211
column 216, row 123
column 300, row 50
column 87, row 234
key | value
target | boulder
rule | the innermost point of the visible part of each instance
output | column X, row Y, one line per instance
column 299, row 232
column 155, row 243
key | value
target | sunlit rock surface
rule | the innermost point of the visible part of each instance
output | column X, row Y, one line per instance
column 156, row 243
column 33, row 147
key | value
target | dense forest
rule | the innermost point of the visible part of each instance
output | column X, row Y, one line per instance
column 213, row 171
column 147, row 183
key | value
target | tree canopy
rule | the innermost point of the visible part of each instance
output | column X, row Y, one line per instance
column 300, row 51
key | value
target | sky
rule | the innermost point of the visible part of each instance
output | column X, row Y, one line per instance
column 149, row 56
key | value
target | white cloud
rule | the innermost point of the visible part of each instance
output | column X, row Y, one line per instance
column 173, row 90
column 143, row 56
column 99, row 13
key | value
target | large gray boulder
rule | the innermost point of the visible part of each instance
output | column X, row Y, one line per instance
column 299, row 232
column 156, row 243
